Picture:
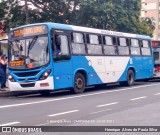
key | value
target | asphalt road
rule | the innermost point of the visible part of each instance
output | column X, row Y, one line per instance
column 113, row 105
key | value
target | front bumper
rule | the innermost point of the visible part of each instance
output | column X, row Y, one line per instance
column 32, row 86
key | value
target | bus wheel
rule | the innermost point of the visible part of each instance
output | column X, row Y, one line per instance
column 79, row 83
column 130, row 78
column 45, row 92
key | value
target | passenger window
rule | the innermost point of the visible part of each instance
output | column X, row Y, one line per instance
column 122, row 42
column 109, row 45
column 64, row 45
column 134, row 43
column 78, row 38
column 93, row 39
column 145, row 47
column 108, row 40
column 61, row 48
column 94, row 44
column 94, row 49
column 123, row 48
column 135, row 47
column 78, row 46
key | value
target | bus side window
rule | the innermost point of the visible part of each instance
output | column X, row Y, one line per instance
column 61, row 47
column 145, row 47
column 78, row 45
column 57, row 47
column 123, row 48
column 64, row 45
column 109, row 45
column 94, row 46
column 135, row 47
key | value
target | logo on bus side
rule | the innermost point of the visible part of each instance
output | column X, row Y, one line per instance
column 110, row 62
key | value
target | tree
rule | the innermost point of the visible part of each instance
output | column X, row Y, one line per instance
column 26, row 13
column 55, row 10
column 117, row 15
column 121, row 15
column 150, row 22
column 12, row 14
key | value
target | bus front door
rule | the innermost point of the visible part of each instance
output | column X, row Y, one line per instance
column 62, row 63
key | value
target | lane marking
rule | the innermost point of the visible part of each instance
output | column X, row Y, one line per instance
column 107, row 104
column 57, row 114
column 157, row 94
column 8, row 124
column 43, row 124
column 72, row 97
column 100, row 111
column 138, row 98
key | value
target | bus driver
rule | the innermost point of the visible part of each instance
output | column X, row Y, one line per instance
column 57, row 48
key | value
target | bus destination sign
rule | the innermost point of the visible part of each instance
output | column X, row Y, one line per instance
column 17, row 63
column 156, row 43
column 30, row 31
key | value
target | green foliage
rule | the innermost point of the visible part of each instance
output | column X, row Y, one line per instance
column 117, row 15
column 12, row 15
column 2, row 11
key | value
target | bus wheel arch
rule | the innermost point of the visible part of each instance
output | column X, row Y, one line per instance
column 80, row 82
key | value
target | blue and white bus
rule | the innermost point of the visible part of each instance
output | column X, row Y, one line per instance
column 86, row 57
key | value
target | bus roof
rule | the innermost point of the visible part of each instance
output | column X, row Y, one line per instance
column 86, row 29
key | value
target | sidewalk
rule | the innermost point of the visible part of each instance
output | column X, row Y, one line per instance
column 7, row 92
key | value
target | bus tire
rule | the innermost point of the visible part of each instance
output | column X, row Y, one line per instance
column 79, row 83
column 130, row 79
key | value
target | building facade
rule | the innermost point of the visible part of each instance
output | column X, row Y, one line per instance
column 151, row 9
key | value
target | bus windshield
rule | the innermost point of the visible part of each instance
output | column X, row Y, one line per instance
column 27, row 53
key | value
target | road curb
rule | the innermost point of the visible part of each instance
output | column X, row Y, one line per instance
column 15, row 93
column 6, row 94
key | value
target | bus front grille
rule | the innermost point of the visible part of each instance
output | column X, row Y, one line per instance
column 27, row 85
column 25, row 74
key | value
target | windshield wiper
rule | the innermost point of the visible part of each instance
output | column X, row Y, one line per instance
column 31, row 44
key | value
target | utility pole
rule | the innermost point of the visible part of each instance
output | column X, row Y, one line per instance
column 27, row 13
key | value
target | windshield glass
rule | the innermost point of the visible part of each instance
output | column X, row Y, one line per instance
column 28, row 53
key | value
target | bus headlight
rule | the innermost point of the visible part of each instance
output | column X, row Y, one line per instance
column 45, row 75
column 11, row 78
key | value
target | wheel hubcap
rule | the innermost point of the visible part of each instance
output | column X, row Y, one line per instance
column 130, row 78
column 79, row 83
